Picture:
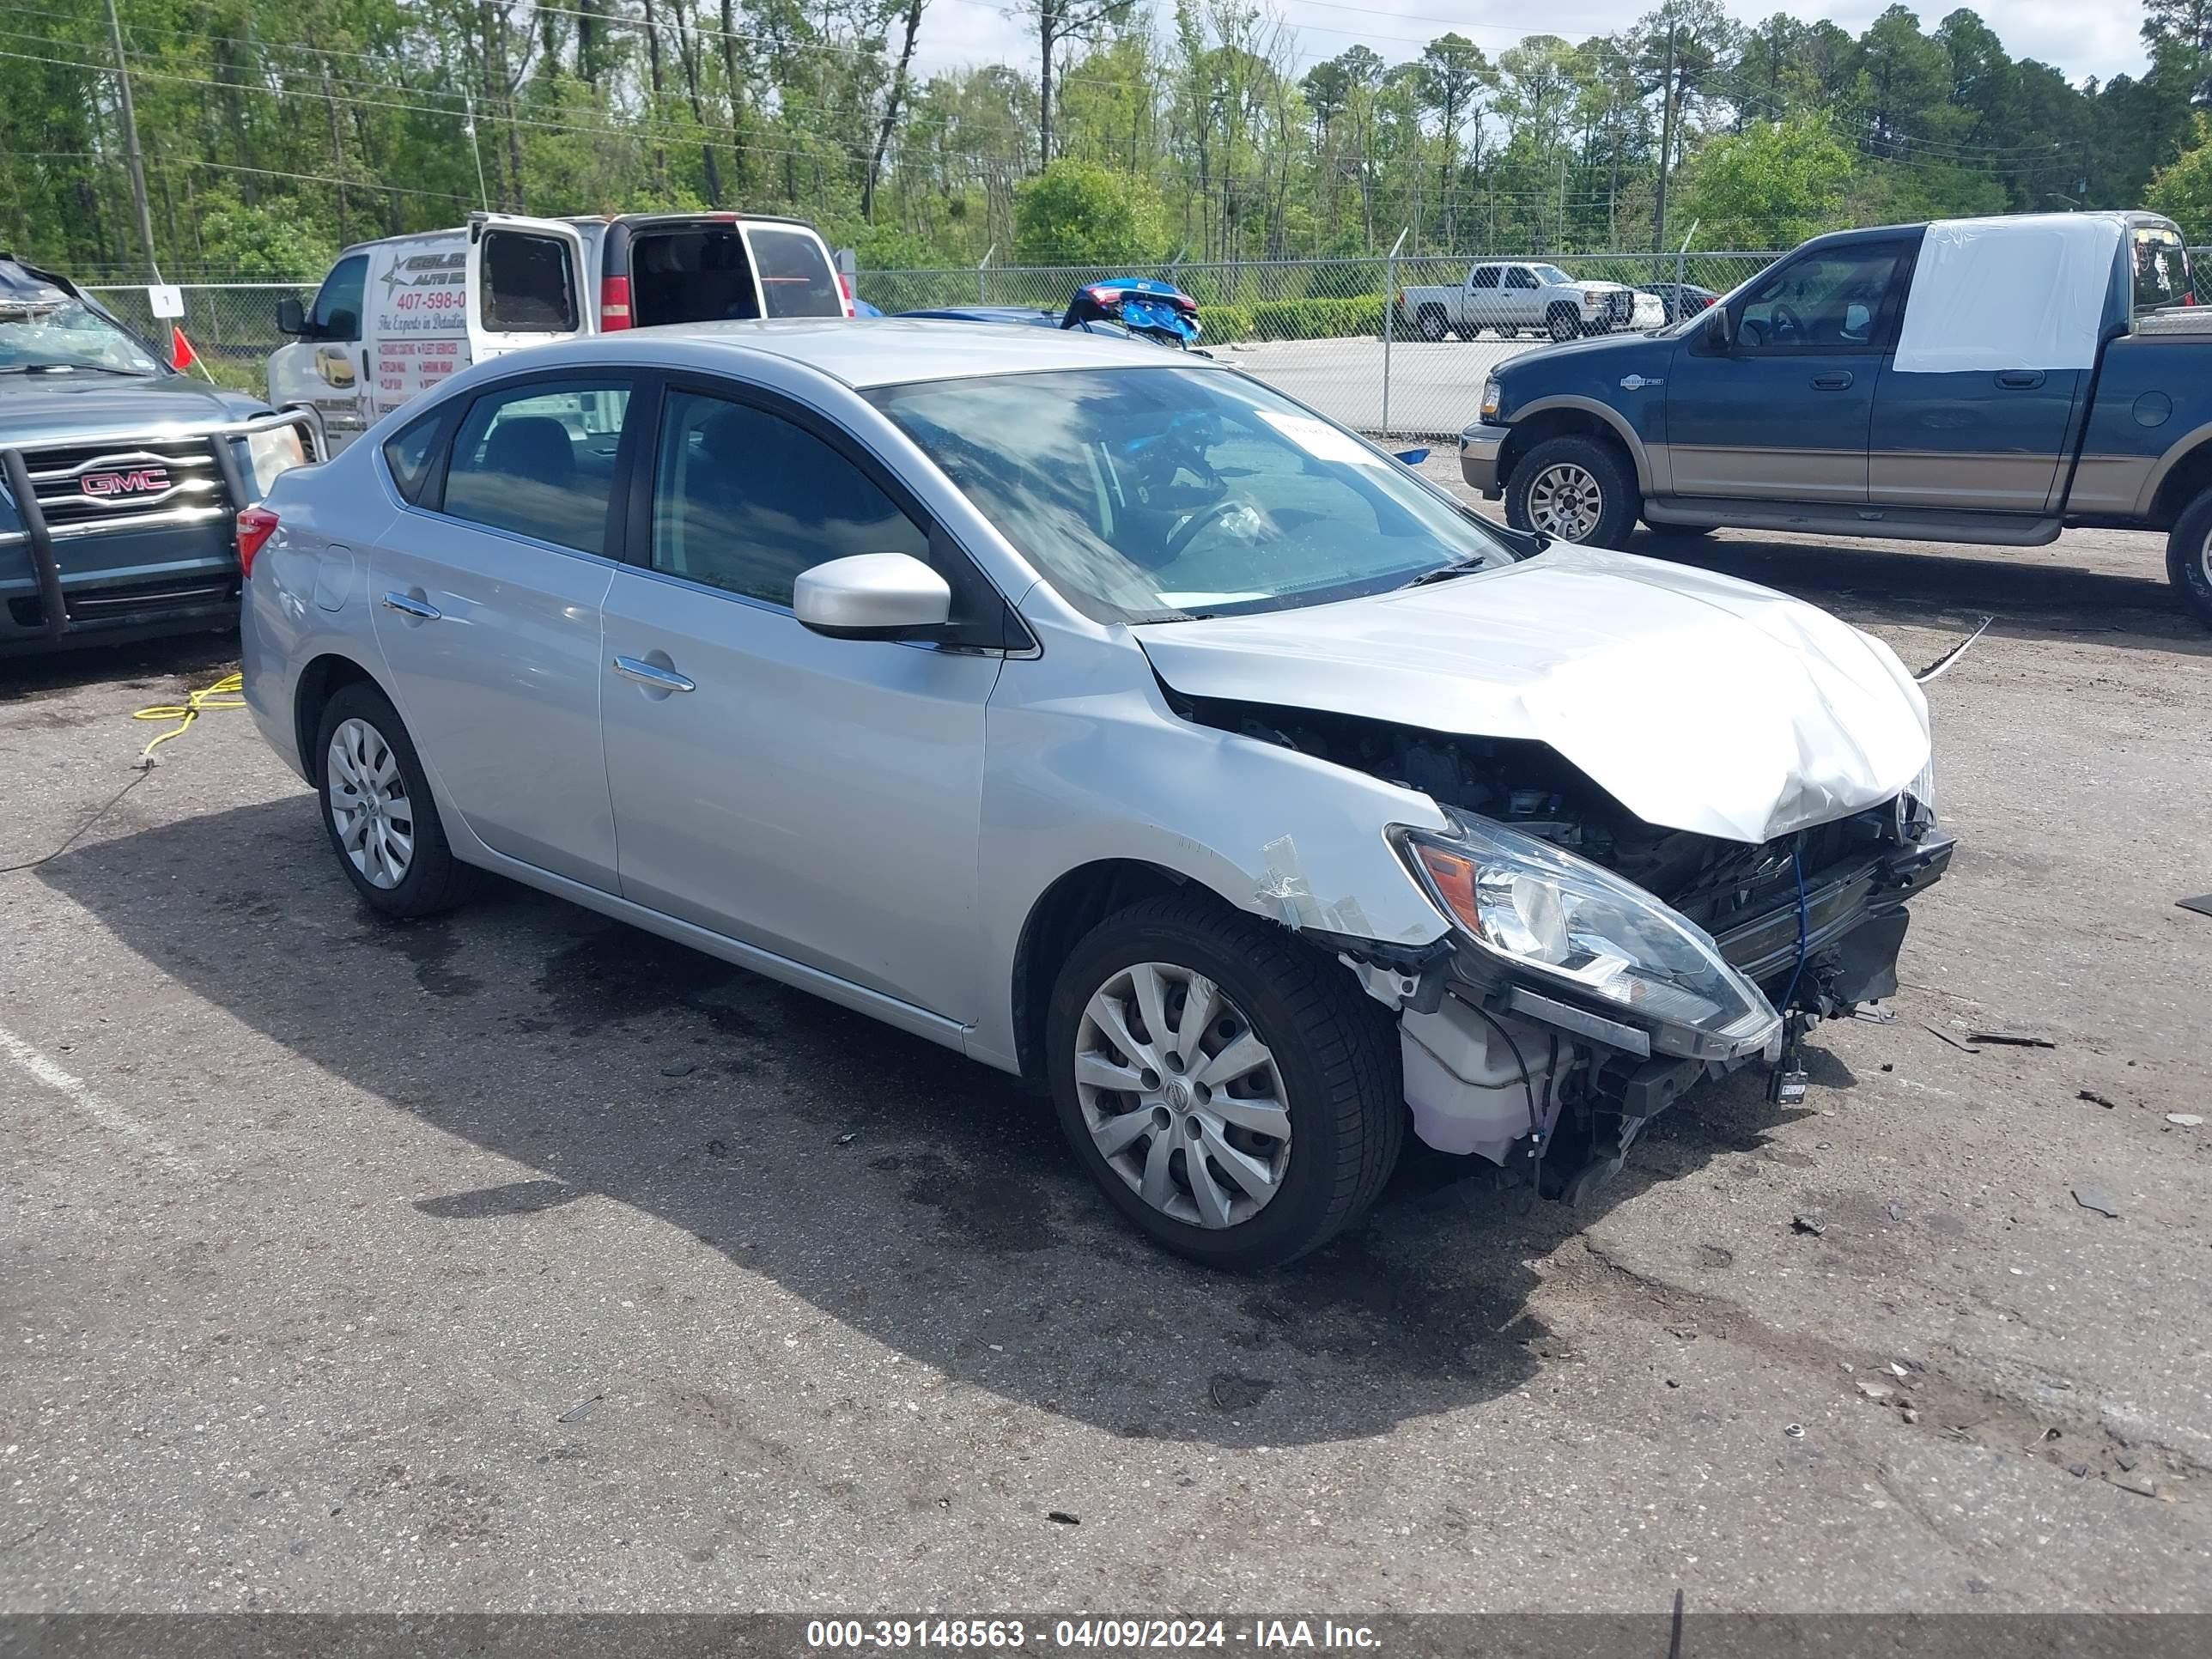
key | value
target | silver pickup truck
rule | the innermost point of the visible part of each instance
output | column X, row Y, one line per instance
column 1990, row 381
column 1512, row 298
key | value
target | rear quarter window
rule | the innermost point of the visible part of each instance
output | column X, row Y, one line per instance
column 410, row 451
column 795, row 277
column 2163, row 276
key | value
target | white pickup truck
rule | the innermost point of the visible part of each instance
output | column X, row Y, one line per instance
column 1513, row 298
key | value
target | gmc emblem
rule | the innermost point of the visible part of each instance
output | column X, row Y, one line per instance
column 139, row 480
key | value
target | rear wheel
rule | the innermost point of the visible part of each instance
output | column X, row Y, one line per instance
column 377, row 808
column 2189, row 555
column 1232, row 1091
column 1432, row 323
column 1573, row 489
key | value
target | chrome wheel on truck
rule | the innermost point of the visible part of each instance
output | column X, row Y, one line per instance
column 1565, row 503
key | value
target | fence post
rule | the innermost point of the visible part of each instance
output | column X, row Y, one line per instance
column 1390, row 319
column 980, row 266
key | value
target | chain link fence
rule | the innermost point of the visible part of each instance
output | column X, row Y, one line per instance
column 1386, row 345
column 1390, row 346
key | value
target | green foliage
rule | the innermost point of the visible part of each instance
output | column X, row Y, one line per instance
column 2183, row 191
column 1772, row 186
column 262, row 244
column 1294, row 319
column 1078, row 213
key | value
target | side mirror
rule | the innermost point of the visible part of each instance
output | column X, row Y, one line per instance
column 291, row 316
column 871, row 596
column 1713, row 331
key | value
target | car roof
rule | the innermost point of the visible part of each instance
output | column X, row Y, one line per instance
column 872, row 351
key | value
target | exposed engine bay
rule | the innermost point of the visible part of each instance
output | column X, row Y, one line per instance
column 1503, row 1068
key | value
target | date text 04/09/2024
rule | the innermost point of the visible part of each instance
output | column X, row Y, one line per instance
column 1087, row 1634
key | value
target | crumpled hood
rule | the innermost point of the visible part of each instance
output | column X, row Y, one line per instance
column 1700, row 702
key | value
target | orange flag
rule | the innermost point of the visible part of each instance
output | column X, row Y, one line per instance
column 181, row 355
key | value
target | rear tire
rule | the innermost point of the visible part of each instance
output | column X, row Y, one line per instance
column 1432, row 324
column 1574, row 490
column 377, row 808
column 1330, row 1062
column 2189, row 556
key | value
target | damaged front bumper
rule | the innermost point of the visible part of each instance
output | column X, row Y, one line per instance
column 1495, row 1054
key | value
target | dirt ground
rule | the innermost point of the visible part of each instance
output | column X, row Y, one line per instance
column 519, row 1260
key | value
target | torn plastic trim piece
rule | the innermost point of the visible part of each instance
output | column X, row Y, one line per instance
column 1411, row 976
column 1627, row 1038
column 1942, row 665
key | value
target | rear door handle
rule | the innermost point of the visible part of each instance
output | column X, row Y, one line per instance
column 411, row 606
column 652, row 674
column 1837, row 380
column 2021, row 380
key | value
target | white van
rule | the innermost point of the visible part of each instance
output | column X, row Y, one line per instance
column 396, row 318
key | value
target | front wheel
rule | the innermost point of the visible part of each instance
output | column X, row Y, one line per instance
column 2189, row 555
column 1573, row 489
column 1231, row 1091
column 1564, row 324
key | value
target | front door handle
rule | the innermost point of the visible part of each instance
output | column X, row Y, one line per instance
column 652, row 674
column 409, row 605
column 2021, row 380
column 1836, row 380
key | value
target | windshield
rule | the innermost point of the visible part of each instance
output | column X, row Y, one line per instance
column 1156, row 494
column 1551, row 275
column 56, row 332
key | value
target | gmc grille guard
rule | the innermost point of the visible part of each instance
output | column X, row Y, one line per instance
column 37, row 538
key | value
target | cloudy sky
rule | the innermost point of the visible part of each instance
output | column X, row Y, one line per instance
column 2082, row 37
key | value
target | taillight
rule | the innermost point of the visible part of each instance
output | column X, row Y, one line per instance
column 845, row 288
column 255, row 526
column 614, row 303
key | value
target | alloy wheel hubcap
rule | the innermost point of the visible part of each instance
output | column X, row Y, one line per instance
column 1181, row 1098
column 2205, row 560
column 1565, row 502
column 369, row 805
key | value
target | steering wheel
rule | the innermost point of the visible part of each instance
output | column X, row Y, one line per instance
column 1786, row 322
column 1187, row 532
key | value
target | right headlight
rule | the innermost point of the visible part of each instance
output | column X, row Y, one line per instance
column 1541, row 909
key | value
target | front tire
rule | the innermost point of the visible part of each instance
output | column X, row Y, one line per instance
column 2189, row 556
column 1231, row 1091
column 377, row 808
column 1564, row 324
column 1574, row 490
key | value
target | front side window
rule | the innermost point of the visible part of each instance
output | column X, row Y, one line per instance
column 1485, row 277
column 1547, row 276
column 744, row 499
column 1828, row 302
column 336, row 315
column 1156, row 494
column 795, row 277
column 539, row 460
column 1521, row 276
column 529, row 284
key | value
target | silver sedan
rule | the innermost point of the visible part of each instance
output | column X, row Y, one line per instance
column 1114, row 721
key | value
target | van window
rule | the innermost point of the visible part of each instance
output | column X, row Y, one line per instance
column 795, row 277
column 693, row 275
column 336, row 315
column 2162, row 263
column 528, row 284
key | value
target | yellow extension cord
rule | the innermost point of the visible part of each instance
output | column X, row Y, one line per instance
column 213, row 696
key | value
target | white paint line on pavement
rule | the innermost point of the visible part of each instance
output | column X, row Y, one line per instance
column 88, row 1100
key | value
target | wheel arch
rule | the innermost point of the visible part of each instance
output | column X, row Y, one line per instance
column 319, row 682
column 1569, row 417
column 2182, row 474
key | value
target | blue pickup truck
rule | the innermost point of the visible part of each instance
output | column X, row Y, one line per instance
column 1980, row 381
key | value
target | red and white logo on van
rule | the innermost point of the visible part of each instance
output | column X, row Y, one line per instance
column 139, row 481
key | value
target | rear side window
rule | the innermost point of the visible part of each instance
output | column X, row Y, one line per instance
column 744, row 499
column 527, row 284
column 2161, row 270
column 409, row 450
column 795, row 277
column 539, row 460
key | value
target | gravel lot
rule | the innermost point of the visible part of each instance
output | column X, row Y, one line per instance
column 521, row 1260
